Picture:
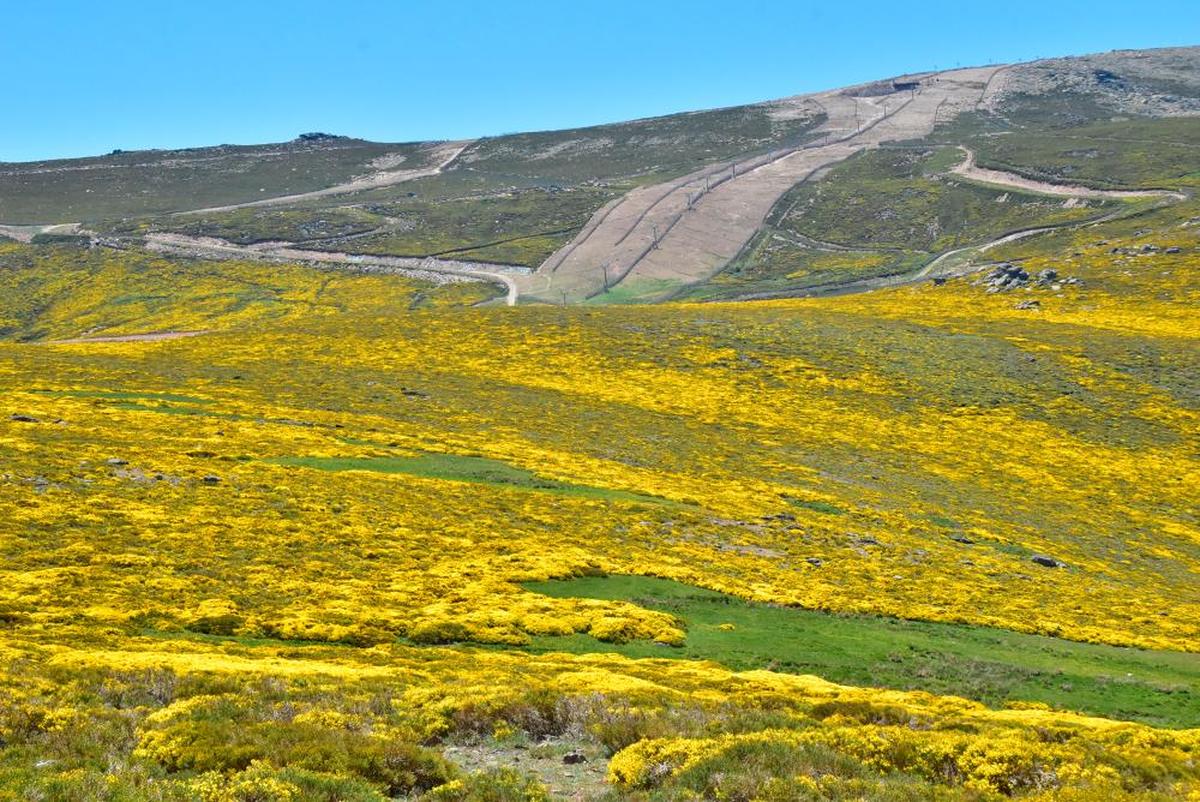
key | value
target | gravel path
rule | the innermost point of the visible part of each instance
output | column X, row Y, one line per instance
column 447, row 152
column 968, row 169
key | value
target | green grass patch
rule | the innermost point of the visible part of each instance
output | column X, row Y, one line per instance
column 460, row 468
column 635, row 291
column 993, row 666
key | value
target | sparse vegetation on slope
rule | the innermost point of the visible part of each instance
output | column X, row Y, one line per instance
column 152, row 182
column 61, row 292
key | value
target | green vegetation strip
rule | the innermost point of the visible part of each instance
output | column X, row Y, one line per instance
column 458, row 468
column 993, row 666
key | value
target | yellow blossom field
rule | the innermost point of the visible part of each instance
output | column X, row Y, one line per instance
column 296, row 554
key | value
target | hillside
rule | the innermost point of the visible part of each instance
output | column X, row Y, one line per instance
column 656, row 208
column 294, row 507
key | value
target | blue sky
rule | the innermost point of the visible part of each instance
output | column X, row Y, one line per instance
column 83, row 78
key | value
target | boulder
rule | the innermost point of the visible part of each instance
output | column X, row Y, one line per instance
column 1006, row 276
column 1047, row 561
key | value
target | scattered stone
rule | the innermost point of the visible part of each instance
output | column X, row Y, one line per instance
column 1150, row 249
column 1047, row 561
column 966, row 541
column 1173, row 249
column 23, row 418
column 1028, row 305
column 1047, row 276
column 816, row 562
column 574, row 757
column 939, row 281
column 211, row 480
column 116, row 461
column 1006, row 276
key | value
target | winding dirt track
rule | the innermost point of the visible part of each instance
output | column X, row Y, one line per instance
column 969, row 170
column 446, row 153
column 27, row 233
column 656, row 239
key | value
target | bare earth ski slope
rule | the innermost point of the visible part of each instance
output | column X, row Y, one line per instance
column 658, row 238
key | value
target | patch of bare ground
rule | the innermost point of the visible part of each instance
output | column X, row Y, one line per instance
column 571, row 770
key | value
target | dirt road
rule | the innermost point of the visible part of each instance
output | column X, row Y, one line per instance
column 27, row 233
column 445, row 155
column 969, row 170
column 659, row 238
column 427, row 269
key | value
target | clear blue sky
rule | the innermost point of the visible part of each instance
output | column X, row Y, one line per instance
column 82, row 77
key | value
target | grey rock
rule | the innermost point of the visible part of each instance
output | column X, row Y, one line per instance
column 1006, row 276
column 574, row 758
column 1047, row 561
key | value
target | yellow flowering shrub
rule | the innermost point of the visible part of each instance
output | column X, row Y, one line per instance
column 283, row 545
